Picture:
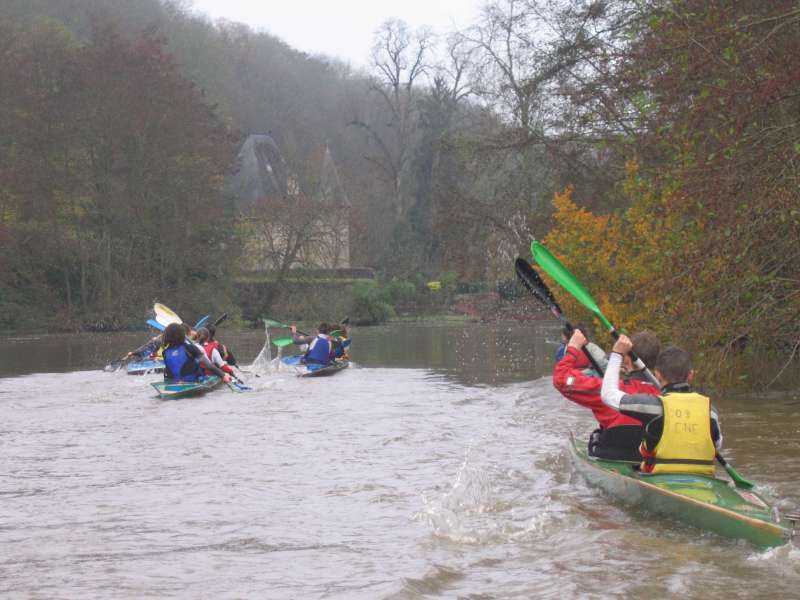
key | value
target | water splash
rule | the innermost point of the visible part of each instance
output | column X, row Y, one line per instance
column 263, row 360
column 450, row 515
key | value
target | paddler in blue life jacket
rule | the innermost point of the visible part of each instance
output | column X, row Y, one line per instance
column 340, row 344
column 681, row 427
column 320, row 350
column 183, row 359
column 150, row 350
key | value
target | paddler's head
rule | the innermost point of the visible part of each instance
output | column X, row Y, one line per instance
column 646, row 346
column 674, row 366
column 203, row 335
column 324, row 328
column 189, row 332
column 174, row 335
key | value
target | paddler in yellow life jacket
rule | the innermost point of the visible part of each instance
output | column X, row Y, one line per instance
column 681, row 427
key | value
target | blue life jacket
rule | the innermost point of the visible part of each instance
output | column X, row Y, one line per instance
column 340, row 346
column 179, row 365
column 319, row 351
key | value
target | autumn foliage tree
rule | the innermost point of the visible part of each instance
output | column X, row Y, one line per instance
column 707, row 253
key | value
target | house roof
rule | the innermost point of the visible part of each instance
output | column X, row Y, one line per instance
column 262, row 174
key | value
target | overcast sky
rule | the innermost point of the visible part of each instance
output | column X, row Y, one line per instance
column 342, row 28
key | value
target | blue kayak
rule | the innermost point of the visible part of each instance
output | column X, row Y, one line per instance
column 169, row 390
column 313, row 369
column 143, row 367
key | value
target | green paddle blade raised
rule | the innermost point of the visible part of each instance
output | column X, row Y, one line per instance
column 553, row 267
column 271, row 323
column 281, row 342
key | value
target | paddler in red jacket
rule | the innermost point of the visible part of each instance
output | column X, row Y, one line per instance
column 211, row 348
column 618, row 436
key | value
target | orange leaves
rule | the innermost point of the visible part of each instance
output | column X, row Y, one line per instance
column 615, row 256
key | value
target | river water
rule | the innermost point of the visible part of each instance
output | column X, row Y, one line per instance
column 436, row 467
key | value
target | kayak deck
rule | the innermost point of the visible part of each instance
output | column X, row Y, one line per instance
column 184, row 389
column 143, row 367
column 705, row 502
column 314, row 370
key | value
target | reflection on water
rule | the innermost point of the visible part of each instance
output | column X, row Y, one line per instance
column 435, row 468
column 470, row 352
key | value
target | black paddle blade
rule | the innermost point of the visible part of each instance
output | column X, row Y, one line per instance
column 221, row 319
column 536, row 285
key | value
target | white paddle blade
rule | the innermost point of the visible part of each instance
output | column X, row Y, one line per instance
column 165, row 315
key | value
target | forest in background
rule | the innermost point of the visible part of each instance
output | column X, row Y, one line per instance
column 653, row 145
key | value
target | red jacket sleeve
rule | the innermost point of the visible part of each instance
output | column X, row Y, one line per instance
column 570, row 380
column 583, row 389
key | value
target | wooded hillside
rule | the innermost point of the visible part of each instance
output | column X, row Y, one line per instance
column 661, row 135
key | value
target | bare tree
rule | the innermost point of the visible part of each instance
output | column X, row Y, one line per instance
column 399, row 58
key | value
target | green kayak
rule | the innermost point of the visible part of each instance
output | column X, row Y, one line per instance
column 184, row 389
column 705, row 502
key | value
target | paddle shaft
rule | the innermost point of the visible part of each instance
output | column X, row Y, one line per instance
column 538, row 288
column 274, row 323
column 553, row 267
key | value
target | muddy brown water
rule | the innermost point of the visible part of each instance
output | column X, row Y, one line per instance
column 436, row 467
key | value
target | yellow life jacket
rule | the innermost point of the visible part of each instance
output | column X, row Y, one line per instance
column 685, row 445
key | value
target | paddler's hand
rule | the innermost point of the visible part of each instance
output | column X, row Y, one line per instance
column 623, row 345
column 578, row 340
column 227, row 378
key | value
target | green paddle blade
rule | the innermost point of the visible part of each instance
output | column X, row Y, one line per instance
column 553, row 267
column 271, row 323
column 738, row 480
column 281, row 342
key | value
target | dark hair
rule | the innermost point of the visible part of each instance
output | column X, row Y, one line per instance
column 212, row 331
column 674, row 364
column 324, row 328
column 567, row 332
column 203, row 335
column 174, row 335
column 646, row 346
column 186, row 328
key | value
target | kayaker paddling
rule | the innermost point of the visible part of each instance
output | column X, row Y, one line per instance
column 151, row 349
column 619, row 436
column 681, row 427
column 183, row 359
column 224, row 351
column 319, row 346
column 340, row 343
column 212, row 350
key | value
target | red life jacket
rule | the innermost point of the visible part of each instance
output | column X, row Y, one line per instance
column 209, row 348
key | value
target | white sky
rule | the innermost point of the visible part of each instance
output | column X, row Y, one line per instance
column 342, row 28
